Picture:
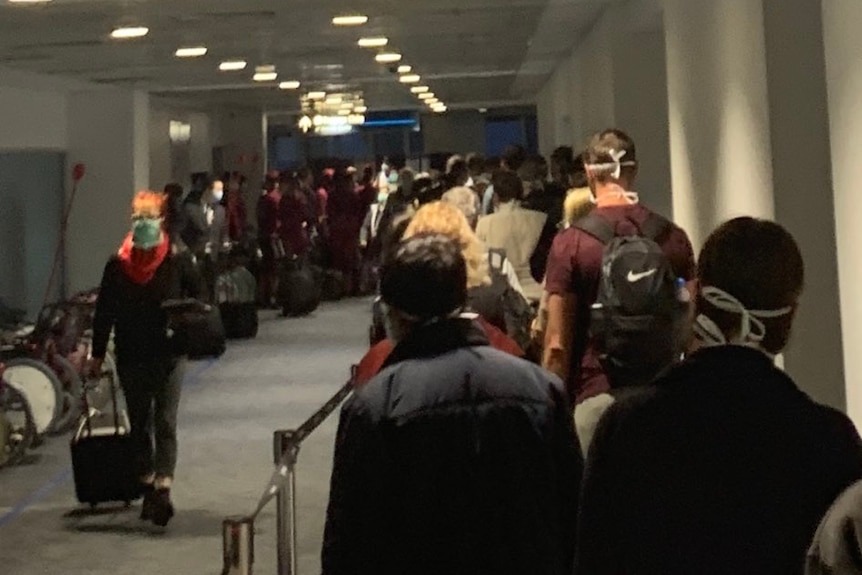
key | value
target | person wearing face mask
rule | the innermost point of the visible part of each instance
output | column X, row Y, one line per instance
column 575, row 262
column 206, row 228
column 462, row 455
column 136, row 282
column 723, row 465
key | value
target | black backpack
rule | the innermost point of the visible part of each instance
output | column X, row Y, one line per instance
column 636, row 319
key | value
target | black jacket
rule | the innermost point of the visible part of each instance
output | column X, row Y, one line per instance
column 549, row 200
column 723, row 467
column 455, row 459
column 197, row 232
column 134, row 311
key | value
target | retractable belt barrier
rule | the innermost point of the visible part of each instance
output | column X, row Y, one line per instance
column 238, row 532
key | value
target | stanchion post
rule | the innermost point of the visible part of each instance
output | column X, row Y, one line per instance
column 238, row 542
column 285, row 452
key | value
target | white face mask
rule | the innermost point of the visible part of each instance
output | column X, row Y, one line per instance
column 218, row 195
column 752, row 330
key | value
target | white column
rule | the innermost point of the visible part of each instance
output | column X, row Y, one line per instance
column 799, row 122
column 843, row 45
column 718, row 111
column 108, row 132
column 201, row 145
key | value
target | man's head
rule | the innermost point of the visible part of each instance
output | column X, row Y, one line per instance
column 174, row 191
column 305, row 176
column 216, row 191
column 562, row 165
column 611, row 158
column 425, row 280
column 508, row 187
column 513, row 157
column 466, row 201
column 758, row 264
column 475, row 164
column 454, row 159
column 457, row 174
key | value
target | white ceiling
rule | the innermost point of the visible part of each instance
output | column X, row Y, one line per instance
column 471, row 52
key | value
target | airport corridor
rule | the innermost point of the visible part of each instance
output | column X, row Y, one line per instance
column 228, row 411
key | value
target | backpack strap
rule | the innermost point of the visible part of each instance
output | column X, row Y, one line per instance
column 597, row 227
column 654, row 227
column 496, row 259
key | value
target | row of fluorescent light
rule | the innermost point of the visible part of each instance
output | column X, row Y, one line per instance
column 406, row 75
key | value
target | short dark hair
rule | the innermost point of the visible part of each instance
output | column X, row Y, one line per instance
column 759, row 263
column 475, row 163
column 426, row 278
column 507, row 186
column 603, row 143
column 514, row 157
column 174, row 190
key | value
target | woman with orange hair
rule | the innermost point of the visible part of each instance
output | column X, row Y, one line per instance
column 141, row 277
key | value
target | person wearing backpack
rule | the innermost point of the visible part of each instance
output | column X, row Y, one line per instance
column 575, row 264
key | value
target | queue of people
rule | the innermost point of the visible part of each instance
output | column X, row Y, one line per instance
column 656, row 437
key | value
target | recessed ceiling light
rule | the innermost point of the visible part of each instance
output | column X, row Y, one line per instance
column 410, row 78
column 388, row 57
column 232, row 65
column 265, row 76
column 419, row 89
column 426, row 95
column 373, row 42
column 130, row 32
column 333, row 100
column 440, row 109
column 344, row 112
column 289, row 85
column 432, row 101
column 316, row 95
column 405, row 69
column 483, row 110
column 360, row 109
column 195, row 52
column 28, row 1
column 351, row 20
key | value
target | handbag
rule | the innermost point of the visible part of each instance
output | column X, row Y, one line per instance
column 195, row 328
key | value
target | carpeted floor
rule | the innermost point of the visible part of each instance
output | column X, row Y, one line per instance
column 229, row 410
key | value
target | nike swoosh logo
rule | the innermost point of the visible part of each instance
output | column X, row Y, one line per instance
column 634, row 278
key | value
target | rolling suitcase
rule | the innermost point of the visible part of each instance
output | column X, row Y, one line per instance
column 298, row 293
column 103, row 458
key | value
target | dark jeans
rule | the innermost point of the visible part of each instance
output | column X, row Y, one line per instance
column 152, row 393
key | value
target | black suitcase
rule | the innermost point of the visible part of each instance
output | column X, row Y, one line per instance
column 332, row 286
column 103, row 459
column 298, row 293
column 240, row 320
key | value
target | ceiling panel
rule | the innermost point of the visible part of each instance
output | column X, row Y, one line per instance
column 468, row 51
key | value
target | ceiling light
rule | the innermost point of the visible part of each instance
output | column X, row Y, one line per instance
column 432, row 101
column 373, row 42
column 333, row 100
column 410, row 78
column 426, row 95
column 28, row 1
column 405, row 69
column 388, row 57
column 354, row 20
column 265, row 76
column 419, row 89
column 483, row 110
column 316, row 95
column 130, row 32
column 232, row 65
column 289, row 85
column 195, row 52
column 360, row 109
column 440, row 109
column 344, row 112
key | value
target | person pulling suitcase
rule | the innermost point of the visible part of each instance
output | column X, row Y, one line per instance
column 137, row 281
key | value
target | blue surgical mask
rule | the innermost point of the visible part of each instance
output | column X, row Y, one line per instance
column 146, row 233
column 393, row 178
column 381, row 197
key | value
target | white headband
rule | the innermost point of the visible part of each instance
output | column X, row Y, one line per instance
column 615, row 167
column 752, row 330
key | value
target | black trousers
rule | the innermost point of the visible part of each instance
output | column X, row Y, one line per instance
column 152, row 392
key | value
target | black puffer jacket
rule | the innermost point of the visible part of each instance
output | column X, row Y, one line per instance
column 455, row 459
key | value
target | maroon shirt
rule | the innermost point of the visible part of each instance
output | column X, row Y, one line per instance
column 574, row 267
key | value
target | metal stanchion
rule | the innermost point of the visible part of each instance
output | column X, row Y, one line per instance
column 285, row 451
column 238, row 539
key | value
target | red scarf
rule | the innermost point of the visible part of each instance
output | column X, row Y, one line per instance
column 140, row 265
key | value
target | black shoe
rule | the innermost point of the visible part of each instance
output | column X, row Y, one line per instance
column 147, row 490
column 162, row 508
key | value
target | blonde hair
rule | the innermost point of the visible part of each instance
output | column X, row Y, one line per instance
column 446, row 219
column 465, row 200
column 579, row 203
